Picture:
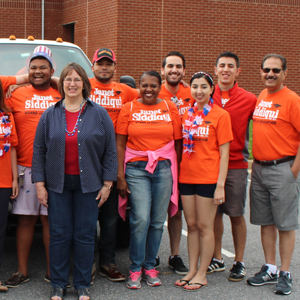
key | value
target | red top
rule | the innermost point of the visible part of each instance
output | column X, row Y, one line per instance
column 240, row 106
column 71, row 147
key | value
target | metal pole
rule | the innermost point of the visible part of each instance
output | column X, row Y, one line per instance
column 43, row 18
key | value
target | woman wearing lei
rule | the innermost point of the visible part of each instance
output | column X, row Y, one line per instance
column 203, row 169
column 8, row 165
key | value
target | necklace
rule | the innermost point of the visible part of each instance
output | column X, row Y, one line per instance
column 71, row 133
column 194, row 120
column 6, row 131
column 70, row 109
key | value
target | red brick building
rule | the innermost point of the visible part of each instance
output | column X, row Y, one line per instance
column 143, row 32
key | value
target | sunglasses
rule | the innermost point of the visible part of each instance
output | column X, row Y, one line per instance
column 275, row 70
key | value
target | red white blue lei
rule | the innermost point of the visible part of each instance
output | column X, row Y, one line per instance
column 7, row 131
column 194, row 120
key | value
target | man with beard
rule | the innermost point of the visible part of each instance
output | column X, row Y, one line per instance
column 173, row 69
column 112, row 96
column 28, row 103
column 274, row 192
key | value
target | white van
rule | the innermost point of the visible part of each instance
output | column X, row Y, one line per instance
column 14, row 51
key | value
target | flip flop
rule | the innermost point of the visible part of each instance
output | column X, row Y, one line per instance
column 194, row 283
column 181, row 285
column 3, row 288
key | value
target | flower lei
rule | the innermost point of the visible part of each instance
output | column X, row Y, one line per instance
column 194, row 120
column 6, row 128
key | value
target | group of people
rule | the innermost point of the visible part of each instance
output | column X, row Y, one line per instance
column 167, row 148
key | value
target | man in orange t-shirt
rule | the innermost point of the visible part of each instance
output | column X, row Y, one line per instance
column 112, row 96
column 173, row 69
column 274, row 192
column 28, row 103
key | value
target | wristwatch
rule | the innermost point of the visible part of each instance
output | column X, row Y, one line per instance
column 107, row 186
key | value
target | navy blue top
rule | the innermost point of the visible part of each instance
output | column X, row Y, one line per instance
column 96, row 148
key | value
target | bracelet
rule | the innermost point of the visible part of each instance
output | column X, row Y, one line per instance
column 107, row 186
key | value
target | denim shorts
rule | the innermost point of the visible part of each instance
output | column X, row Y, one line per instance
column 203, row 190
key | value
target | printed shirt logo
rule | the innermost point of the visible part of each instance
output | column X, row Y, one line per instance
column 151, row 115
column 38, row 104
column 265, row 111
column 183, row 105
column 224, row 101
column 107, row 98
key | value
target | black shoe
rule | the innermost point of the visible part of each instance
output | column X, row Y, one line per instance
column 264, row 276
column 177, row 265
column 216, row 266
column 157, row 262
column 237, row 272
column 284, row 285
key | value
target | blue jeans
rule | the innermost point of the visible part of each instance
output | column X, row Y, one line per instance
column 149, row 198
column 72, row 222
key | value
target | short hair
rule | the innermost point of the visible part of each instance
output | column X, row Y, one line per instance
column 229, row 54
column 274, row 55
column 41, row 57
column 173, row 53
column 151, row 73
column 86, row 91
column 207, row 77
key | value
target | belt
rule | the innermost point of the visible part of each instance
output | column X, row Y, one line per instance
column 274, row 162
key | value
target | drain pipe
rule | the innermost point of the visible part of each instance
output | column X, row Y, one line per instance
column 43, row 18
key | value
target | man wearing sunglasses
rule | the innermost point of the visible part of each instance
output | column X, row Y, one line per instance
column 173, row 70
column 240, row 104
column 274, row 192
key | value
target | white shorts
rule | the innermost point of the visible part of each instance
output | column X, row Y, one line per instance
column 27, row 202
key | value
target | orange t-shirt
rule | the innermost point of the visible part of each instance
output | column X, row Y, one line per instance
column 276, row 125
column 7, row 81
column 5, row 159
column 112, row 96
column 202, row 166
column 149, row 127
column 27, row 105
column 225, row 97
column 185, row 99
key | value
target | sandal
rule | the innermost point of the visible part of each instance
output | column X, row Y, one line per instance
column 57, row 293
column 192, row 284
column 3, row 288
column 83, row 293
column 183, row 281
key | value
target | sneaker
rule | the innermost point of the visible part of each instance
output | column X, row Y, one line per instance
column 237, row 272
column 216, row 266
column 150, row 276
column 134, row 280
column 177, row 265
column 16, row 279
column 111, row 272
column 157, row 262
column 284, row 285
column 264, row 276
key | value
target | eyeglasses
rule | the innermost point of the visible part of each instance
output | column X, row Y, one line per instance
column 76, row 80
column 275, row 70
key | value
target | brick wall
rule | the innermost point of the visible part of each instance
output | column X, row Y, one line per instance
column 143, row 32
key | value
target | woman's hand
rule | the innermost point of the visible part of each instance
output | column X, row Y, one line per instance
column 219, row 195
column 15, row 189
column 122, row 187
column 103, row 195
column 42, row 193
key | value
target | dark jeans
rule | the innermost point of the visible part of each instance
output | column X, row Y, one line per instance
column 72, row 221
column 5, row 193
column 108, row 220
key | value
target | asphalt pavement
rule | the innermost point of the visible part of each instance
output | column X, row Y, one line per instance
column 218, row 285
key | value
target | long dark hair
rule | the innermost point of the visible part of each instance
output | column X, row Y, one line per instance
column 3, row 106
